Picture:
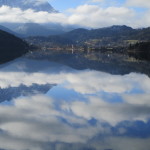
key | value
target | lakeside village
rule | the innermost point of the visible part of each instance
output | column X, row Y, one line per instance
column 87, row 46
column 132, row 48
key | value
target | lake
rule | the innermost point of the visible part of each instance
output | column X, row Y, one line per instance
column 49, row 106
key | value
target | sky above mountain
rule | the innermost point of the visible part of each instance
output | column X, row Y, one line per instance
column 84, row 13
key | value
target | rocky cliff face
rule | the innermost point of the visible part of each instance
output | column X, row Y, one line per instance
column 37, row 5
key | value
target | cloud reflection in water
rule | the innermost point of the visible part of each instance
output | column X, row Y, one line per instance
column 87, row 109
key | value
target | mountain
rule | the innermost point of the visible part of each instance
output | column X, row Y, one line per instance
column 115, row 31
column 109, row 35
column 10, row 31
column 6, row 29
column 34, row 29
column 36, row 5
column 80, row 34
column 142, row 34
column 109, row 32
column 114, row 36
column 11, row 47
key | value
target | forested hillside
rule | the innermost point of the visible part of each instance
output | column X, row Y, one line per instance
column 11, row 47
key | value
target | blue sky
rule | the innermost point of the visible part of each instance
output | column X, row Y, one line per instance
column 67, row 4
column 62, row 5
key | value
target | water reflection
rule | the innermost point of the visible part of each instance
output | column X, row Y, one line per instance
column 86, row 110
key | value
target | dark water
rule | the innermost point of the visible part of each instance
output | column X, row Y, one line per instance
column 48, row 106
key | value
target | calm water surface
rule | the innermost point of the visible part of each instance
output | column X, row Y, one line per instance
column 48, row 106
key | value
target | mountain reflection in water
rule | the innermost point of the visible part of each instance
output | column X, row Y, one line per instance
column 77, row 110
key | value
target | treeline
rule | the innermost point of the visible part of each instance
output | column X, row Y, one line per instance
column 140, row 51
column 11, row 47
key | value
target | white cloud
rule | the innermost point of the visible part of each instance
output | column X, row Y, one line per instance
column 145, row 18
column 94, row 16
column 16, row 15
column 96, row 1
column 138, row 3
column 86, row 15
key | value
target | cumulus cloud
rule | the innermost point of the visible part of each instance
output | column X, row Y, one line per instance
column 16, row 15
column 95, row 16
column 96, row 1
column 138, row 3
column 86, row 15
column 145, row 18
